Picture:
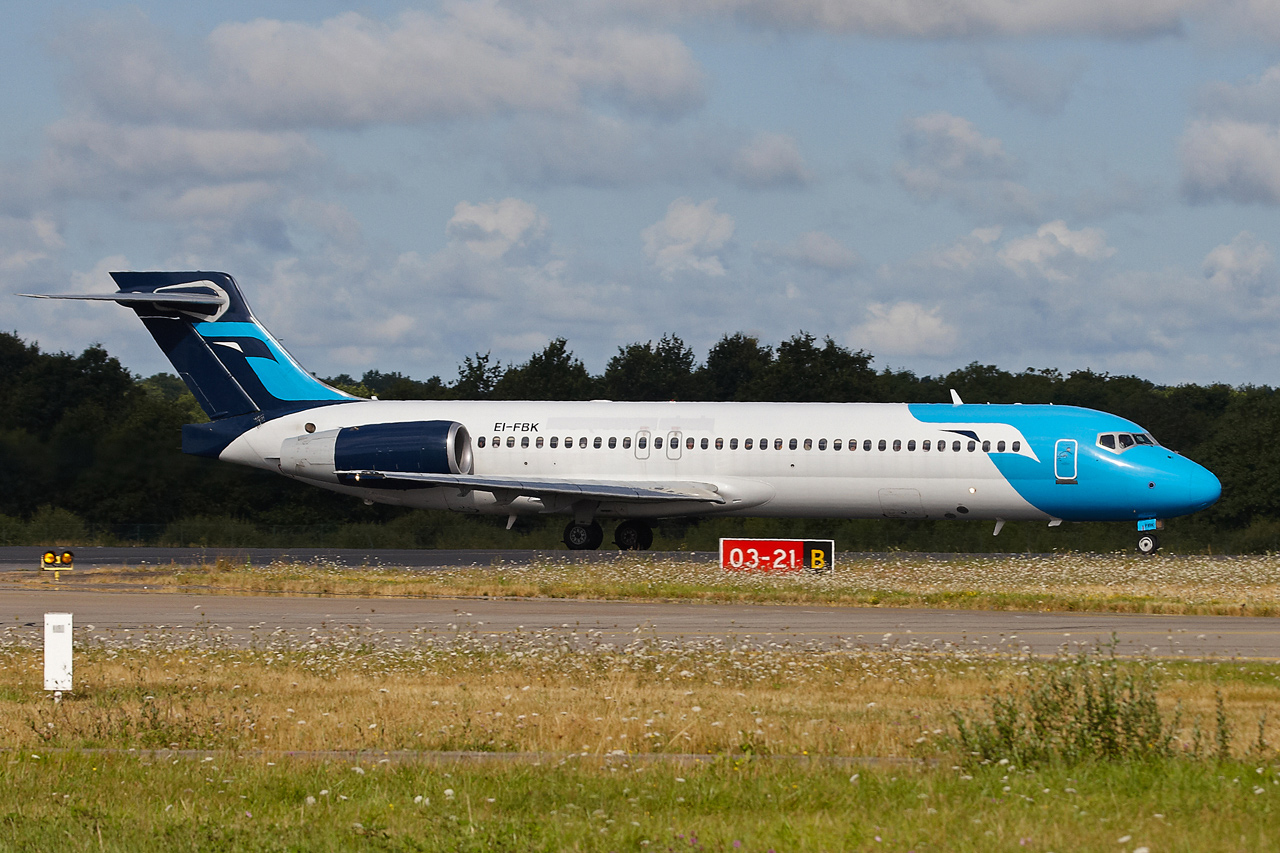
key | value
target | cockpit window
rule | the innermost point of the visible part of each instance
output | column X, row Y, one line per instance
column 1119, row 442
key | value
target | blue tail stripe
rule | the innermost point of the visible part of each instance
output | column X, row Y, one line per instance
column 281, row 376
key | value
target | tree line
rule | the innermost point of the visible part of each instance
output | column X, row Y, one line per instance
column 87, row 447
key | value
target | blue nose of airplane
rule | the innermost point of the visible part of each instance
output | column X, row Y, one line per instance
column 1204, row 489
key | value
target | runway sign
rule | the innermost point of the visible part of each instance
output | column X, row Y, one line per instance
column 57, row 651
column 777, row 555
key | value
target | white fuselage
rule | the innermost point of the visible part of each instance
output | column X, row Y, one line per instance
column 792, row 468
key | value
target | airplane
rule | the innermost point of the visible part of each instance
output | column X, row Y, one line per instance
column 637, row 462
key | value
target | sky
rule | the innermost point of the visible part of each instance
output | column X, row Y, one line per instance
column 1061, row 184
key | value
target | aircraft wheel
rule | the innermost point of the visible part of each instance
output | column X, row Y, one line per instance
column 1148, row 543
column 583, row 537
column 633, row 536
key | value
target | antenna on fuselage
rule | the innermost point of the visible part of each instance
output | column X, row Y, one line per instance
column 955, row 398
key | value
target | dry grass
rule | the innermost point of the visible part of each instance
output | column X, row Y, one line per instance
column 1203, row 585
column 555, row 692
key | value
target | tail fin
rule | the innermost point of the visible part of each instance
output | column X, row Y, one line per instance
column 226, row 357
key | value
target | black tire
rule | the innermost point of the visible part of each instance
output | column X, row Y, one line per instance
column 633, row 536
column 583, row 537
column 1148, row 543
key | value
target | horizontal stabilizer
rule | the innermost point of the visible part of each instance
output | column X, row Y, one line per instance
column 609, row 490
column 210, row 299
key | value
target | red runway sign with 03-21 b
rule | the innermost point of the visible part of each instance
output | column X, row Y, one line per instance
column 777, row 555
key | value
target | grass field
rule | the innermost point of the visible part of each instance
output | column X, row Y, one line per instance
column 335, row 740
column 74, row 802
column 1076, row 582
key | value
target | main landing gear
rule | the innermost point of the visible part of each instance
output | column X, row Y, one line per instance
column 629, row 536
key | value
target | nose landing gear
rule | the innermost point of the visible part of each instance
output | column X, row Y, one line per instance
column 1148, row 543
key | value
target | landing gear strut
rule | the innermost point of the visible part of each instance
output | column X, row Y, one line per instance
column 583, row 537
column 1148, row 543
column 633, row 536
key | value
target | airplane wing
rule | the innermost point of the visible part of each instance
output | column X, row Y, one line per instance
column 512, row 487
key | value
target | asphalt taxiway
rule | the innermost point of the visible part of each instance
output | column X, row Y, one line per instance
column 131, row 615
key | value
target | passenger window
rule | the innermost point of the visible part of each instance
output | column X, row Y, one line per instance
column 719, row 444
column 973, row 445
column 511, row 441
column 733, row 444
column 497, row 441
column 688, row 444
column 883, row 444
column 986, row 447
column 582, row 442
column 897, row 445
column 911, row 445
column 746, row 445
column 822, row 444
column 793, row 444
column 926, row 445
column 955, row 447
column 764, row 444
column 555, row 442
column 657, row 442
column 1108, row 441
column 480, row 442
column 613, row 442
column 596, row 444
column 1017, row 445
column 642, row 442
column 626, row 442
column 836, row 445
column 1126, row 441
column 777, row 444
column 524, row 442
column 999, row 447
column 866, row 445
column 538, row 442
column 568, row 443
column 704, row 444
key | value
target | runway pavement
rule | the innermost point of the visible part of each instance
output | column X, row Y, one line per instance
column 128, row 615
column 28, row 557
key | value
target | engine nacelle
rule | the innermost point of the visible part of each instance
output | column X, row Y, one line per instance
column 418, row 447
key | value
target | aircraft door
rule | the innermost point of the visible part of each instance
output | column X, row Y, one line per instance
column 673, row 444
column 1065, row 461
column 642, row 444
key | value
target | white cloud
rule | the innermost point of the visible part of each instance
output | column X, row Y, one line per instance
column 1054, row 250
column 1234, row 160
column 492, row 229
column 1021, row 81
column 1111, row 19
column 946, row 158
column 770, row 159
column 688, row 238
column 1245, row 264
column 475, row 59
column 905, row 329
column 813, row 249
column 82, row 148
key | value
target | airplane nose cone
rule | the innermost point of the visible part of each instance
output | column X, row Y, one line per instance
column 1205, row 488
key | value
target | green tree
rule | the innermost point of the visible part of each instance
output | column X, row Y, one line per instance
column 733, row 365
column 652, row 372
column 553, row 374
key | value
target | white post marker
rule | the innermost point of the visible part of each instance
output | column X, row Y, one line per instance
column 57, row 651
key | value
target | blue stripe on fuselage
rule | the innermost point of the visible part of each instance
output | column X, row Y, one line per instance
column 1142, row 482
